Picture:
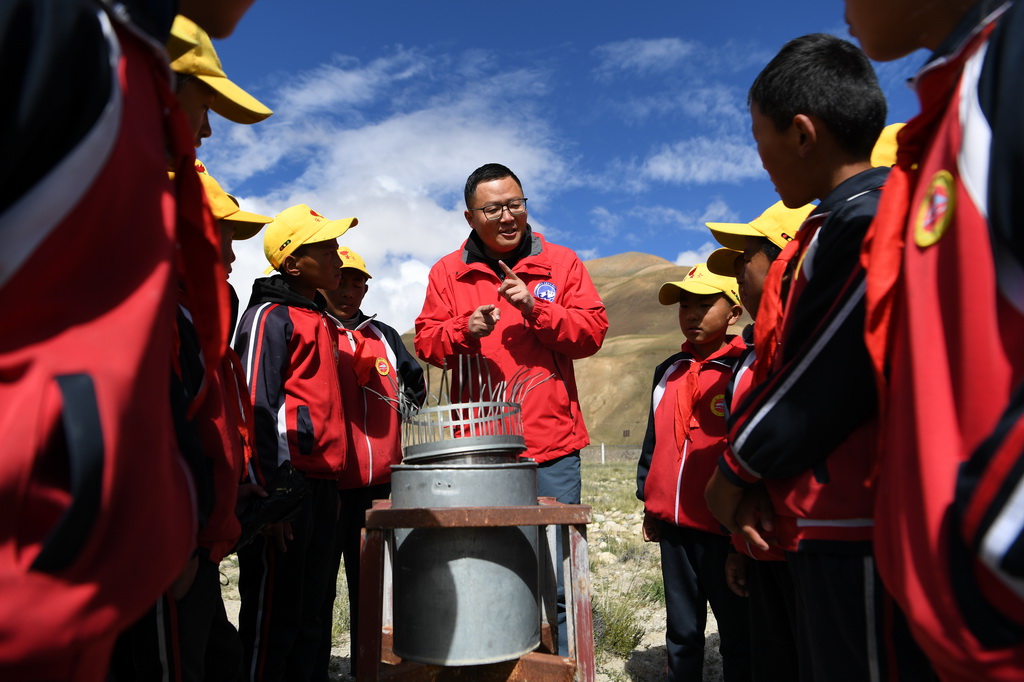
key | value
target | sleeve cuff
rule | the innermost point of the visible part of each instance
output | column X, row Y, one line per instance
column 734, row 471
column 538, row 314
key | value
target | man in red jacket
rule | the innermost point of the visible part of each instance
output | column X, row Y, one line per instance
column 521, row 302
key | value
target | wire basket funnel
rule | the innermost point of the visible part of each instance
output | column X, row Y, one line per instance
column 471, row 416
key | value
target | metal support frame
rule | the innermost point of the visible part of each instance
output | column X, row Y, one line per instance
column 376, row 660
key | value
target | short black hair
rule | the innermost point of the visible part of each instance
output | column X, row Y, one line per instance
column 770, row 248
column 827, row 77
column 486, row 173
column 182, row 79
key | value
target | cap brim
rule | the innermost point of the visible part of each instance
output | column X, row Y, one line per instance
column 332, row 230
column 353, row 267
column 723, row 262
column 247, row 225
column 234, row 103
column 732, row 235
column 669, row 293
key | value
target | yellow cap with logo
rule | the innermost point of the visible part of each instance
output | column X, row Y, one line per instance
column 296, row 226
column 192, row 53
column 351, row 259
column 701, row 281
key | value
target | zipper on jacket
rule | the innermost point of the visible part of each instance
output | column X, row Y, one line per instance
column 679, row 480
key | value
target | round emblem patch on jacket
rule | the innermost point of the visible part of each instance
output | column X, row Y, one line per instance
column 936, row 210
column 718, row 405
column 383, row 368
column 545, row 291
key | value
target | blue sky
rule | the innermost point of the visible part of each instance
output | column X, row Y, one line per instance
column 626, row 121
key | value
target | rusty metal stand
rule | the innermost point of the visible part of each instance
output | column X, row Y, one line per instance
column 377, row 661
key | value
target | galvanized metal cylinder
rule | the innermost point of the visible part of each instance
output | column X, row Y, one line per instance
column 465, row 596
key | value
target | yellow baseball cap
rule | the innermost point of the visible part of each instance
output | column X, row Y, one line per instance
column 351, row 259
column 884, row 152
column 778, row 223
column 225, row 207
column 199, row 59
column 701, row 281
column 296, row 226
column 722, row 262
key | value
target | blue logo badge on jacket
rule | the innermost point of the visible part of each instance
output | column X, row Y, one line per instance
column 545, row 291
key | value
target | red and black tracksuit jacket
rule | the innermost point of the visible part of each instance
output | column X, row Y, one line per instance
column 809, row 429
column 92, row 475
column 671, row 475
column 946, row 328
column 288, row 345
column 375, row 369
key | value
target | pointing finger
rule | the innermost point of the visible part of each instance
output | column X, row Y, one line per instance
column 507, row 270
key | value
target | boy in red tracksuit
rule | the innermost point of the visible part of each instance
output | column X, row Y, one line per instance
column 288, row 345
column 376, row 371
column 187, row 634
column 685, row 436
column 807, row 427
column 945, row 329
column 760, row 576
column 86, row 549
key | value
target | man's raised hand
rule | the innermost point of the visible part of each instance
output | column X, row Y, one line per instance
column 514, row 291
column 483, row 319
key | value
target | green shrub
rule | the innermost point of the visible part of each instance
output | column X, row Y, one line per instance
column 653, row 590
column 617, row 630
column 339, row 623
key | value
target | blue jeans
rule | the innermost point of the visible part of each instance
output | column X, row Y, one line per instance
column 560, row 479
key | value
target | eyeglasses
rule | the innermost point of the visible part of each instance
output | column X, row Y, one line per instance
column 494, row 211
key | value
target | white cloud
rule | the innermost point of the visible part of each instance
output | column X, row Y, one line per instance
column 694, row 256
column 716, row 107
column 702, row 160
column 607, row 223
column 641, row 56
column 345, row 83
column 689, row 221
column 717, row 211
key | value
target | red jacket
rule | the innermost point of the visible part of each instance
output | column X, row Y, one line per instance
column 946, row 254
column 671, row 480
column 289, row 348
column 225, row 419
column 98, row 513
column 739, row 387
column 568, row 322
column 374, row 368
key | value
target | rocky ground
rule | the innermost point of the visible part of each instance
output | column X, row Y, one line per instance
column 628, row 597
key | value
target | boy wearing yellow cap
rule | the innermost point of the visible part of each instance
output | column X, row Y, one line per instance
column 945, row 330
column 759, row 575
column 187, row 634
column 201, row 83
column 685, row 436
column 92, row 129
column 807, row 430
column 288, row 345
column 376, row 372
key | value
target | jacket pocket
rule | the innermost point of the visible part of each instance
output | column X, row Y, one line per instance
column 305, row 436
